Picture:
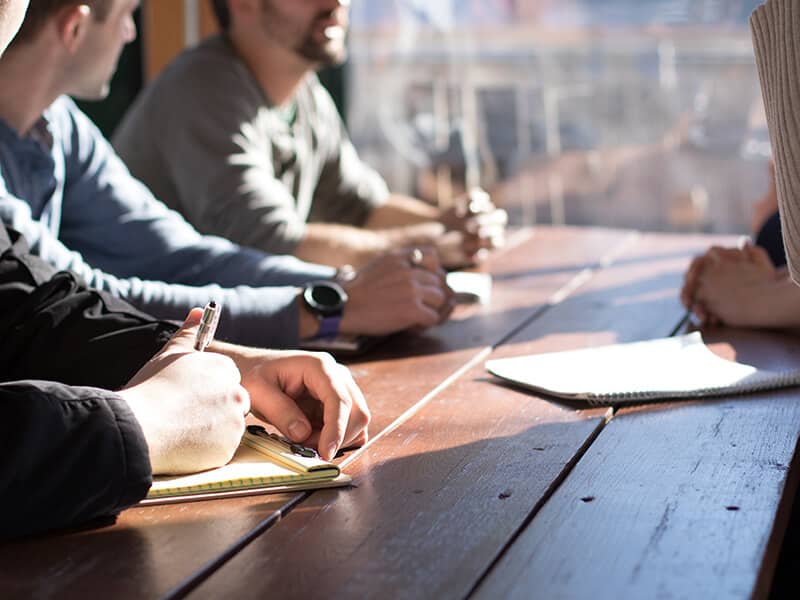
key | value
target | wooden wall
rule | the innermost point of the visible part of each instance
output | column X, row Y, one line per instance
column 170, row 25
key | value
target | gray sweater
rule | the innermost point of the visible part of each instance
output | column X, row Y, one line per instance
column 206, row 140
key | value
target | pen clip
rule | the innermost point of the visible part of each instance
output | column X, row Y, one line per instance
column 297, row 449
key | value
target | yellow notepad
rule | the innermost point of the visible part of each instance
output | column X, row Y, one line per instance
column 263, row 463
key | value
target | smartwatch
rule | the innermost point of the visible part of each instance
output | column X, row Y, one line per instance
column 326, row 300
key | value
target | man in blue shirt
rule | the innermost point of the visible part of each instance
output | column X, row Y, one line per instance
column 67, row 192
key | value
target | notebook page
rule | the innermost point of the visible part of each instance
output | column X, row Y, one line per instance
column 680, row 366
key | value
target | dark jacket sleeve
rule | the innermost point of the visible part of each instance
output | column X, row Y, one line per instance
column 69, row 455
column 52, row 327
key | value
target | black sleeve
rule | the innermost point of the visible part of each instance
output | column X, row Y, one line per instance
column 69, row 454
column 53, row 327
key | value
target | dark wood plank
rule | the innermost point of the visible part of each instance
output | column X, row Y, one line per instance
column 439, row 497
column 527, row 277
column 151, row 551
column 680, row 500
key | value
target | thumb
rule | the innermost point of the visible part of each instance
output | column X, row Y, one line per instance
column 183, row 339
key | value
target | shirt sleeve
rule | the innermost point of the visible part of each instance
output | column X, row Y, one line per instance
column 70, row 455
column 254, row 316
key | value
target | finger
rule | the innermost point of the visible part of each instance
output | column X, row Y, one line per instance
column 271, row 404
column 420, row 256
column 430, row 259
column 690, row 280
column 479, row 201
column 482, row 240
column 699, row 310
column 759, row 256
column 360, row 417
column 423, row 315
column 183, row 339
column 716, row 254
column 336, row 402
column 243, row 399
column 446, row 310
column 433, row 295
column 495, row 218
column 359, row 440
column 424, row 277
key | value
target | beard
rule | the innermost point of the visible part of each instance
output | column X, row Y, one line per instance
column 329, row 54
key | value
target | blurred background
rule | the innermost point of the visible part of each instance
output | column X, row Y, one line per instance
column 634, row 113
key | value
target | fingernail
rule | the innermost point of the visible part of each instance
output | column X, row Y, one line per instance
column 298, row 431
column 332, row 450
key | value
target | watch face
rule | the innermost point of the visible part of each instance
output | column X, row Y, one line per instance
column 325, row 297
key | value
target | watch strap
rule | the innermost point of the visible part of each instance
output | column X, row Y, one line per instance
column 329, row 326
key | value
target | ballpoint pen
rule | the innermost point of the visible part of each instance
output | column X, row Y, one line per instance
column 208, row 326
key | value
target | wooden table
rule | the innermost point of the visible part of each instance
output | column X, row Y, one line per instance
column 469, row 488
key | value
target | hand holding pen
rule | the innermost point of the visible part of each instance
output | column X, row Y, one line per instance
column 190, row 405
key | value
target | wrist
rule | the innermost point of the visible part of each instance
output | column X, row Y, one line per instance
column 325, row 301
column 308, row 324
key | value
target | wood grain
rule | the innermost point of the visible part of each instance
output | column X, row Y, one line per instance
column 439, row 498
column 150, row 551
column 680, row 500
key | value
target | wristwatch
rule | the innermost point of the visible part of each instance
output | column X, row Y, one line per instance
column 326, row 300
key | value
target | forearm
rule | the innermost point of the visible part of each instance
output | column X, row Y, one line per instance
column 780, row 306
column 338, row 245
column 70, row 455
column 399, row 211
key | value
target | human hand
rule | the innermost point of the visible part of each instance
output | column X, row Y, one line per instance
column 691, row 278
column 309, row 397
column 189, row 405
column 735, row 288
column 393, row 294
column 474, row 225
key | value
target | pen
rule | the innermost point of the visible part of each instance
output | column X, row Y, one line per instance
column 208, row 326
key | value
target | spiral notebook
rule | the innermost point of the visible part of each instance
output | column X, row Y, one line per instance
column 264, row 463
column 675, row 367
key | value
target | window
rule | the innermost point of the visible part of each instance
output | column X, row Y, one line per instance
column 627, row 113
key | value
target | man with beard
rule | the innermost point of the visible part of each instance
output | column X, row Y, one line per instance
column 242, row 139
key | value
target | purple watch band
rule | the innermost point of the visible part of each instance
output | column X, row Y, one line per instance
column 329, row 327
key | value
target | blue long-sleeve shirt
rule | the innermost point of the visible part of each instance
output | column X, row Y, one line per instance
column 65, row 189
